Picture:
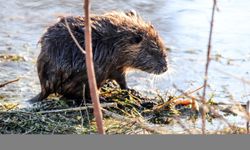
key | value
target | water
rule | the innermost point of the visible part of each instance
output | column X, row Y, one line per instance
column 183, row 24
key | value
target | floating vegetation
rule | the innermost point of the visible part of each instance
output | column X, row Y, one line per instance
column 11, row 57
column 2, row 97
column 8, row 82
column 233, row 130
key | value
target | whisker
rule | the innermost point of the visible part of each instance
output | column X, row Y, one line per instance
column 152, row 81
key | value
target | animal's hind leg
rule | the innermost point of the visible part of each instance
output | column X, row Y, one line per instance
column 42, row 95
column 46, row 85
column 77, row 94
column 39, row 97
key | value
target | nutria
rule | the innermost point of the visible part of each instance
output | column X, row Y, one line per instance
column 121, row 41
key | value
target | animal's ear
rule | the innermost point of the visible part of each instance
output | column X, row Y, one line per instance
column 136, row 39
column 131, row 13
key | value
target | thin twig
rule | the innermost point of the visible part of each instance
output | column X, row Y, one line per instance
column 210, row 107
column 182, row 125
column 248, row 114
column 105, row 105
column 195, row 90
column 183, row 93
column 85, row 104
column 197, row 99
column 206, row 69
column 234, row 76
column 137, row 122
column 177, row 97
column 77, row 108
column 8, row 82
column 90, row 70
column 74, row 38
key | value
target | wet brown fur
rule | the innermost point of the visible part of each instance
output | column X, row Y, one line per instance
column 121, row 41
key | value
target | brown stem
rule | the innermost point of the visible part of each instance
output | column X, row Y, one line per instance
column 8, row 82
column 90, row 70
column 206, row 69
column 248, row 115
column 105, row 105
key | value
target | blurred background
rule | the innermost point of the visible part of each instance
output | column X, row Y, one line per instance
column 183, row 24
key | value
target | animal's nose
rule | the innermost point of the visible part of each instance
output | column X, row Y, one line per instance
column 165, row 68
column 163, row 62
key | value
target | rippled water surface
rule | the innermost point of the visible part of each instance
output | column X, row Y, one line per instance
column 183, row 24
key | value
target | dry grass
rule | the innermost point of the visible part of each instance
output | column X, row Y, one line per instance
column 126, row 112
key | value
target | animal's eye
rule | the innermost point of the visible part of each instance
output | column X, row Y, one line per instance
column 154, row 47
column 136, row 39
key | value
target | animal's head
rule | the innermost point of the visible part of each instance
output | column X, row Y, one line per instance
column 139, row 44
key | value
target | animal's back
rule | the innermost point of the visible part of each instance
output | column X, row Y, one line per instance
column 121, row 41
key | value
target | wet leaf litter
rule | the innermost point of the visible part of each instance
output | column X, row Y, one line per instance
column 62, row 116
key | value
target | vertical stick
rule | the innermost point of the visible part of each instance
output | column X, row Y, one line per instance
column 248, row 115
column 206, row 70
column 90, row 70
